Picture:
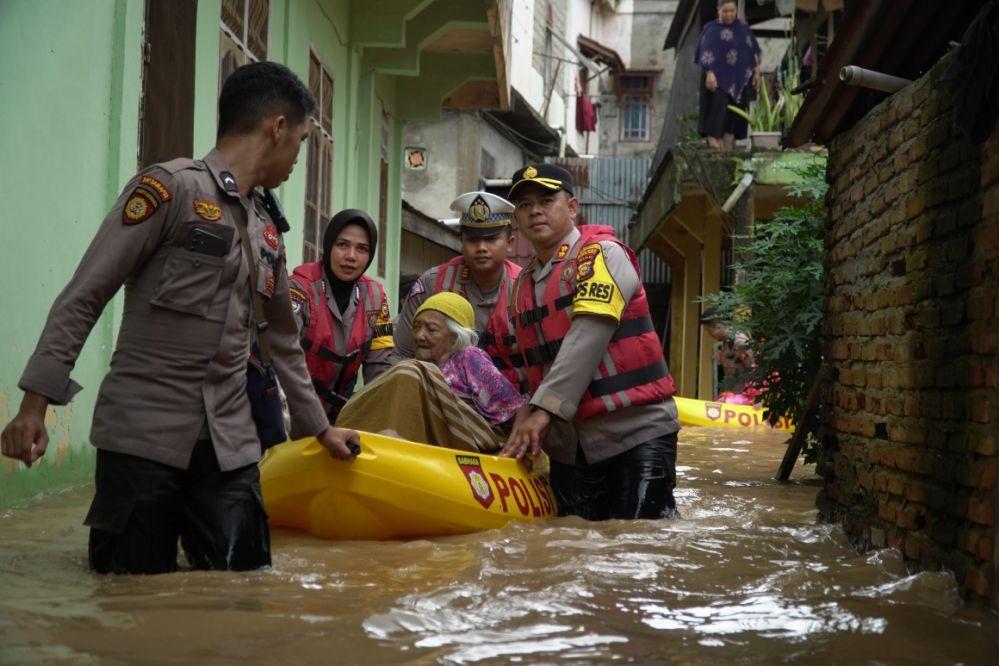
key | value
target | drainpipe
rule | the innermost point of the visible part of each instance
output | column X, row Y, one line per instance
column 867, row 78
column 740, row 189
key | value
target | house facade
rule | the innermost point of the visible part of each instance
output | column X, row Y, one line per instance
column 111, row 85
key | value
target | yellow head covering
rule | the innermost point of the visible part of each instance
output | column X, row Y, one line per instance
column 450, row 305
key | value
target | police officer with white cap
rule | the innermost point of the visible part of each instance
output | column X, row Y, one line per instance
column 482, row 274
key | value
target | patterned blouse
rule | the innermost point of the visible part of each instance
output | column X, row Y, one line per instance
column 472, row 376
column 728, row 50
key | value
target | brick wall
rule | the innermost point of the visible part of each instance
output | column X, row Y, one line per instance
column 911, row 422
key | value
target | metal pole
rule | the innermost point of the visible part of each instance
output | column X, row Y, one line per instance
column 867, row 78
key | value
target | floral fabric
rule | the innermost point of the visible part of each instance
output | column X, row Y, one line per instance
column 472, row 376
column 728, row 50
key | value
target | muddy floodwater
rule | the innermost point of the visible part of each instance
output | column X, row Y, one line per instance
column 746, row 576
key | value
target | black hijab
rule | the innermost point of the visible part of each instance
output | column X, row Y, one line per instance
column 341, row 290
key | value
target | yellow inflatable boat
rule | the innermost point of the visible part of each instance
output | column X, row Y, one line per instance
column 397, row 489
column 704, row 413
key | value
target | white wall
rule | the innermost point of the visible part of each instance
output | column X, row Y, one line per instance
column 507, row 155
column 638, row 29
column 431, row 190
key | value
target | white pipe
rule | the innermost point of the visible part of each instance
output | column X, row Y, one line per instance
column 497, row 182
column 868, row 78
column 740, row 188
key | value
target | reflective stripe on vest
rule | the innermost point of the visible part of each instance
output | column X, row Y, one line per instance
column 633, row 370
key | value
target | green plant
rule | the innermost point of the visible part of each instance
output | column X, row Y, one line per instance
column 765, row 115
column 775, row 115
column 779, row 298
column 689, row 133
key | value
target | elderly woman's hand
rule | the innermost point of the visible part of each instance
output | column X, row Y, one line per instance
column 711, row 81
column 529, row 430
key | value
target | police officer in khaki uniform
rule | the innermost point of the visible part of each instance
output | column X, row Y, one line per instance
column 482, row 275
column 177, row 449
column 601, row 404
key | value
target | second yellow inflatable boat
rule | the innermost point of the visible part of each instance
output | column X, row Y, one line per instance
column 397, row 489
column 722, row 414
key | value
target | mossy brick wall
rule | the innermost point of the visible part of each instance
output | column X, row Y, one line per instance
column 911, row 421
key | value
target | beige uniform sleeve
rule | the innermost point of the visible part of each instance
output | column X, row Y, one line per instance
column 586, row 341
column 308, row 418
column 122, row 244
column 403, row 327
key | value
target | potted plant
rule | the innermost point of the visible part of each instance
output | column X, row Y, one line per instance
column 767, row 117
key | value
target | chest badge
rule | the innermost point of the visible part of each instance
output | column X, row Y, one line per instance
column 271, row 236
column 207, row 210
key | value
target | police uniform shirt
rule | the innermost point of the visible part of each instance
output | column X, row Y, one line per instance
column 482, row 303
column 376, row 361
column 605, row 435
column 181, row 353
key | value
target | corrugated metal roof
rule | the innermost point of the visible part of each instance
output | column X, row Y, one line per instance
column 609, row 190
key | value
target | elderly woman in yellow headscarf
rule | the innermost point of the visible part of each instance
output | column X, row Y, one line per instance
column 450, row 394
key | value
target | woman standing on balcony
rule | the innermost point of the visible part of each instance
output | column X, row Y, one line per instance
column 729, row 56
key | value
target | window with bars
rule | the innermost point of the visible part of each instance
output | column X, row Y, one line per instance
column 635, row 91
column 243, row 34
column 319, row 162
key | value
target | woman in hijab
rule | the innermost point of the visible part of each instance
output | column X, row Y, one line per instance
column 729, row 56
column 449, row 395
column 343, row 315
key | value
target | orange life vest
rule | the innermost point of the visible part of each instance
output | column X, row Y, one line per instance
column 334, row 375
column 633, row 370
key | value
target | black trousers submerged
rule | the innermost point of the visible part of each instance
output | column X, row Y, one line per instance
column 141, row 509
column 635, row 484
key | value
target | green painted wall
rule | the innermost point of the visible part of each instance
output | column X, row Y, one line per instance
column 70, row 94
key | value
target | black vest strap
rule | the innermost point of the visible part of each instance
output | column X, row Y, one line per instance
column 626, row 380
column 328, row 396
column 633, row 327
column 487, row 338
column 529, row 317
column 540, row 312
column 545, row 353
column 328, row 354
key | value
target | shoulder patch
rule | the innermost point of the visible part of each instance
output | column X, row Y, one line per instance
column 584, row 261
column 159, row 188
column 383, row 313
column 139, row 207
column 298, row 298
